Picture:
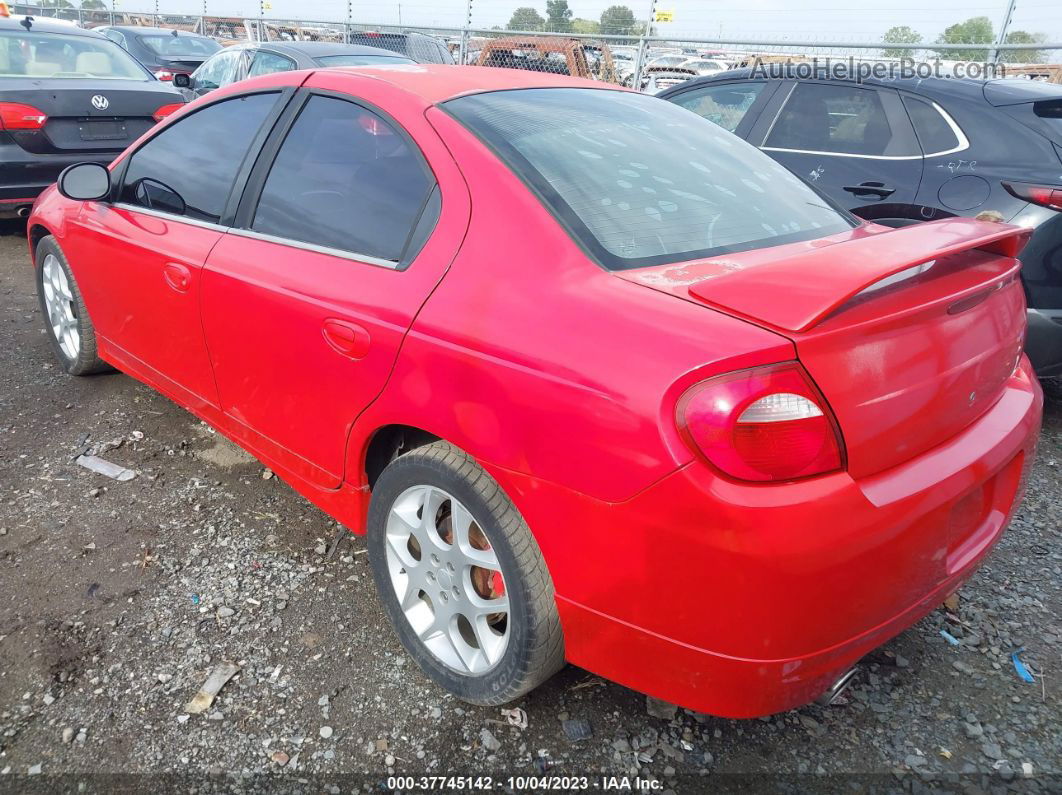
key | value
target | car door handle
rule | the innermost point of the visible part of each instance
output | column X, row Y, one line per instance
column 879, row 189
column 348, row 339
column 177, row 276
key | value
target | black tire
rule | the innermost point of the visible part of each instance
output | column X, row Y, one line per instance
column 87, row 361
column 535, row 648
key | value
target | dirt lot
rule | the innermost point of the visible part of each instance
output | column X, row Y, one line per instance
column 117, row 599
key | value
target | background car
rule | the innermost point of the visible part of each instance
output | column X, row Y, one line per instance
column 509, row 324
column 165, row 51
column 241, row 61
column 417, row 46
column 903, row 151
column 67, row 95
column 705, row 66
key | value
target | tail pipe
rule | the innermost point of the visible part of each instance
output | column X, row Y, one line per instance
column 837, row 688
column 24, row 210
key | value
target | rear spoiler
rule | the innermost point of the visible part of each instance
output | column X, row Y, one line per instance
column 816, row 283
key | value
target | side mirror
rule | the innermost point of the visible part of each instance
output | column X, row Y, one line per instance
column 85, row 182
column 181, row 80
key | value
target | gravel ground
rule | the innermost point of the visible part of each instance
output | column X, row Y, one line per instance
column 118, row 599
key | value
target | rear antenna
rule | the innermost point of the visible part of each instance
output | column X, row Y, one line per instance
column 27, row 22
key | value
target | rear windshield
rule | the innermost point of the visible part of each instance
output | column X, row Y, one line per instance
column 638, row 182
column 360, row 60
column 170, row 45
column 48, row 55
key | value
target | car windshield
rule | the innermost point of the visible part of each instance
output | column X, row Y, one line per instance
column 361, row 60
column 56, row 55
column 169, row 44
column 640, row 182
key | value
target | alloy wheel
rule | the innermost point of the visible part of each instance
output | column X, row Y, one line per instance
column 59, row 301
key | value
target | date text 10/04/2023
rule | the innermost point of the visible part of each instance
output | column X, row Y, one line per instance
column 522, row 783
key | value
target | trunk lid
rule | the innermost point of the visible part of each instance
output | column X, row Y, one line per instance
column 78, row 121
column 910, row 333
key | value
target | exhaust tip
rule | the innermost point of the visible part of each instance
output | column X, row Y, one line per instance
column 24, row 210
column 834, row 691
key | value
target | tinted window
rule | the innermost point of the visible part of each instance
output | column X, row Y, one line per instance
column 345, row 179
column 266, row 63
column 361, row 60
column 643, row 182
column 725, row 105
column 834, row 118
column 933, row 131
column 170, row 45
column 189, row 168
column 63, row 56
column 218, row 71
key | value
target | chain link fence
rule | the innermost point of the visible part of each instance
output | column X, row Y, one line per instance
column 662, row 47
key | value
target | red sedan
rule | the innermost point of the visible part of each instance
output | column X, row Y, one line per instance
column 600, row 382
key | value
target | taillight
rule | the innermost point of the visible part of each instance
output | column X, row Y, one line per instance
column 166, row 110
column 763, row 424
column 1044, row 195
column 164, row 74
column 16, row 116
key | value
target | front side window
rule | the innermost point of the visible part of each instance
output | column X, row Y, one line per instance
column 266, row 63
column 219, row 70
column 189, row 168
column 835, row 118
column 345, row 179
column 641, row 182
column 725, row 105
column 59, row 56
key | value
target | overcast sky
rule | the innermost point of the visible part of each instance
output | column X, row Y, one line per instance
column 820, row 20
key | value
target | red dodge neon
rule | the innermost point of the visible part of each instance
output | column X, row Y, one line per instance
column 600, row 382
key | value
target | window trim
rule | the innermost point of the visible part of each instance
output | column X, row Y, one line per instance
column 284, row 97
column 266, row 51
column 785, row 101
column 267, row 155
column 960, row 136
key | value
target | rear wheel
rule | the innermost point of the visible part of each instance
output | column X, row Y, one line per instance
column 66, row 318
column 461, row 577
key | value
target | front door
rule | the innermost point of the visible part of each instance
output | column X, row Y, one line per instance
column 306, row 303
column 855, row 143
column 144, row 252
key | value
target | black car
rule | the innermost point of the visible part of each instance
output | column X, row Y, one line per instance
column 165, row 51
column 253, row 59
column 418, row 46
column 67, row 95
column 905, row 150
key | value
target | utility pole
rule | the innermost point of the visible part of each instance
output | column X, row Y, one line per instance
column 1002, row 38
column 399, row 15
column 643, row 45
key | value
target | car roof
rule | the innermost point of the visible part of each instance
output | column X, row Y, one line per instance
column 319, row 49
column 435, row 83
column 943, row 87
column 158, row 31
column 44, row 25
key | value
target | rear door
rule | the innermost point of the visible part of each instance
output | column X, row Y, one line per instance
column 141, row 257
column 855, row 143
column 226, row 67
column 342, row 234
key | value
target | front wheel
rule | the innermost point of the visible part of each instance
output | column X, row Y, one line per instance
column 66, row 319
column 461, row 577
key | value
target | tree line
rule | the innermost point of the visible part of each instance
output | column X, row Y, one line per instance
column 976, row 30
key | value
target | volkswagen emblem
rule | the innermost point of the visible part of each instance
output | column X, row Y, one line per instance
column 99, row 102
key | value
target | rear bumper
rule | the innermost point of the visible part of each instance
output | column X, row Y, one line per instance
column 23, row 175
column 1043, row 342
column 741, row 600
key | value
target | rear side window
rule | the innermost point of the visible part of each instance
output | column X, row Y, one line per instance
column 641, row 182
column 934, row 133
column 834, row 118
column 189, row 168
column 725, row 105
column 266, row 63
column 346, row 179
